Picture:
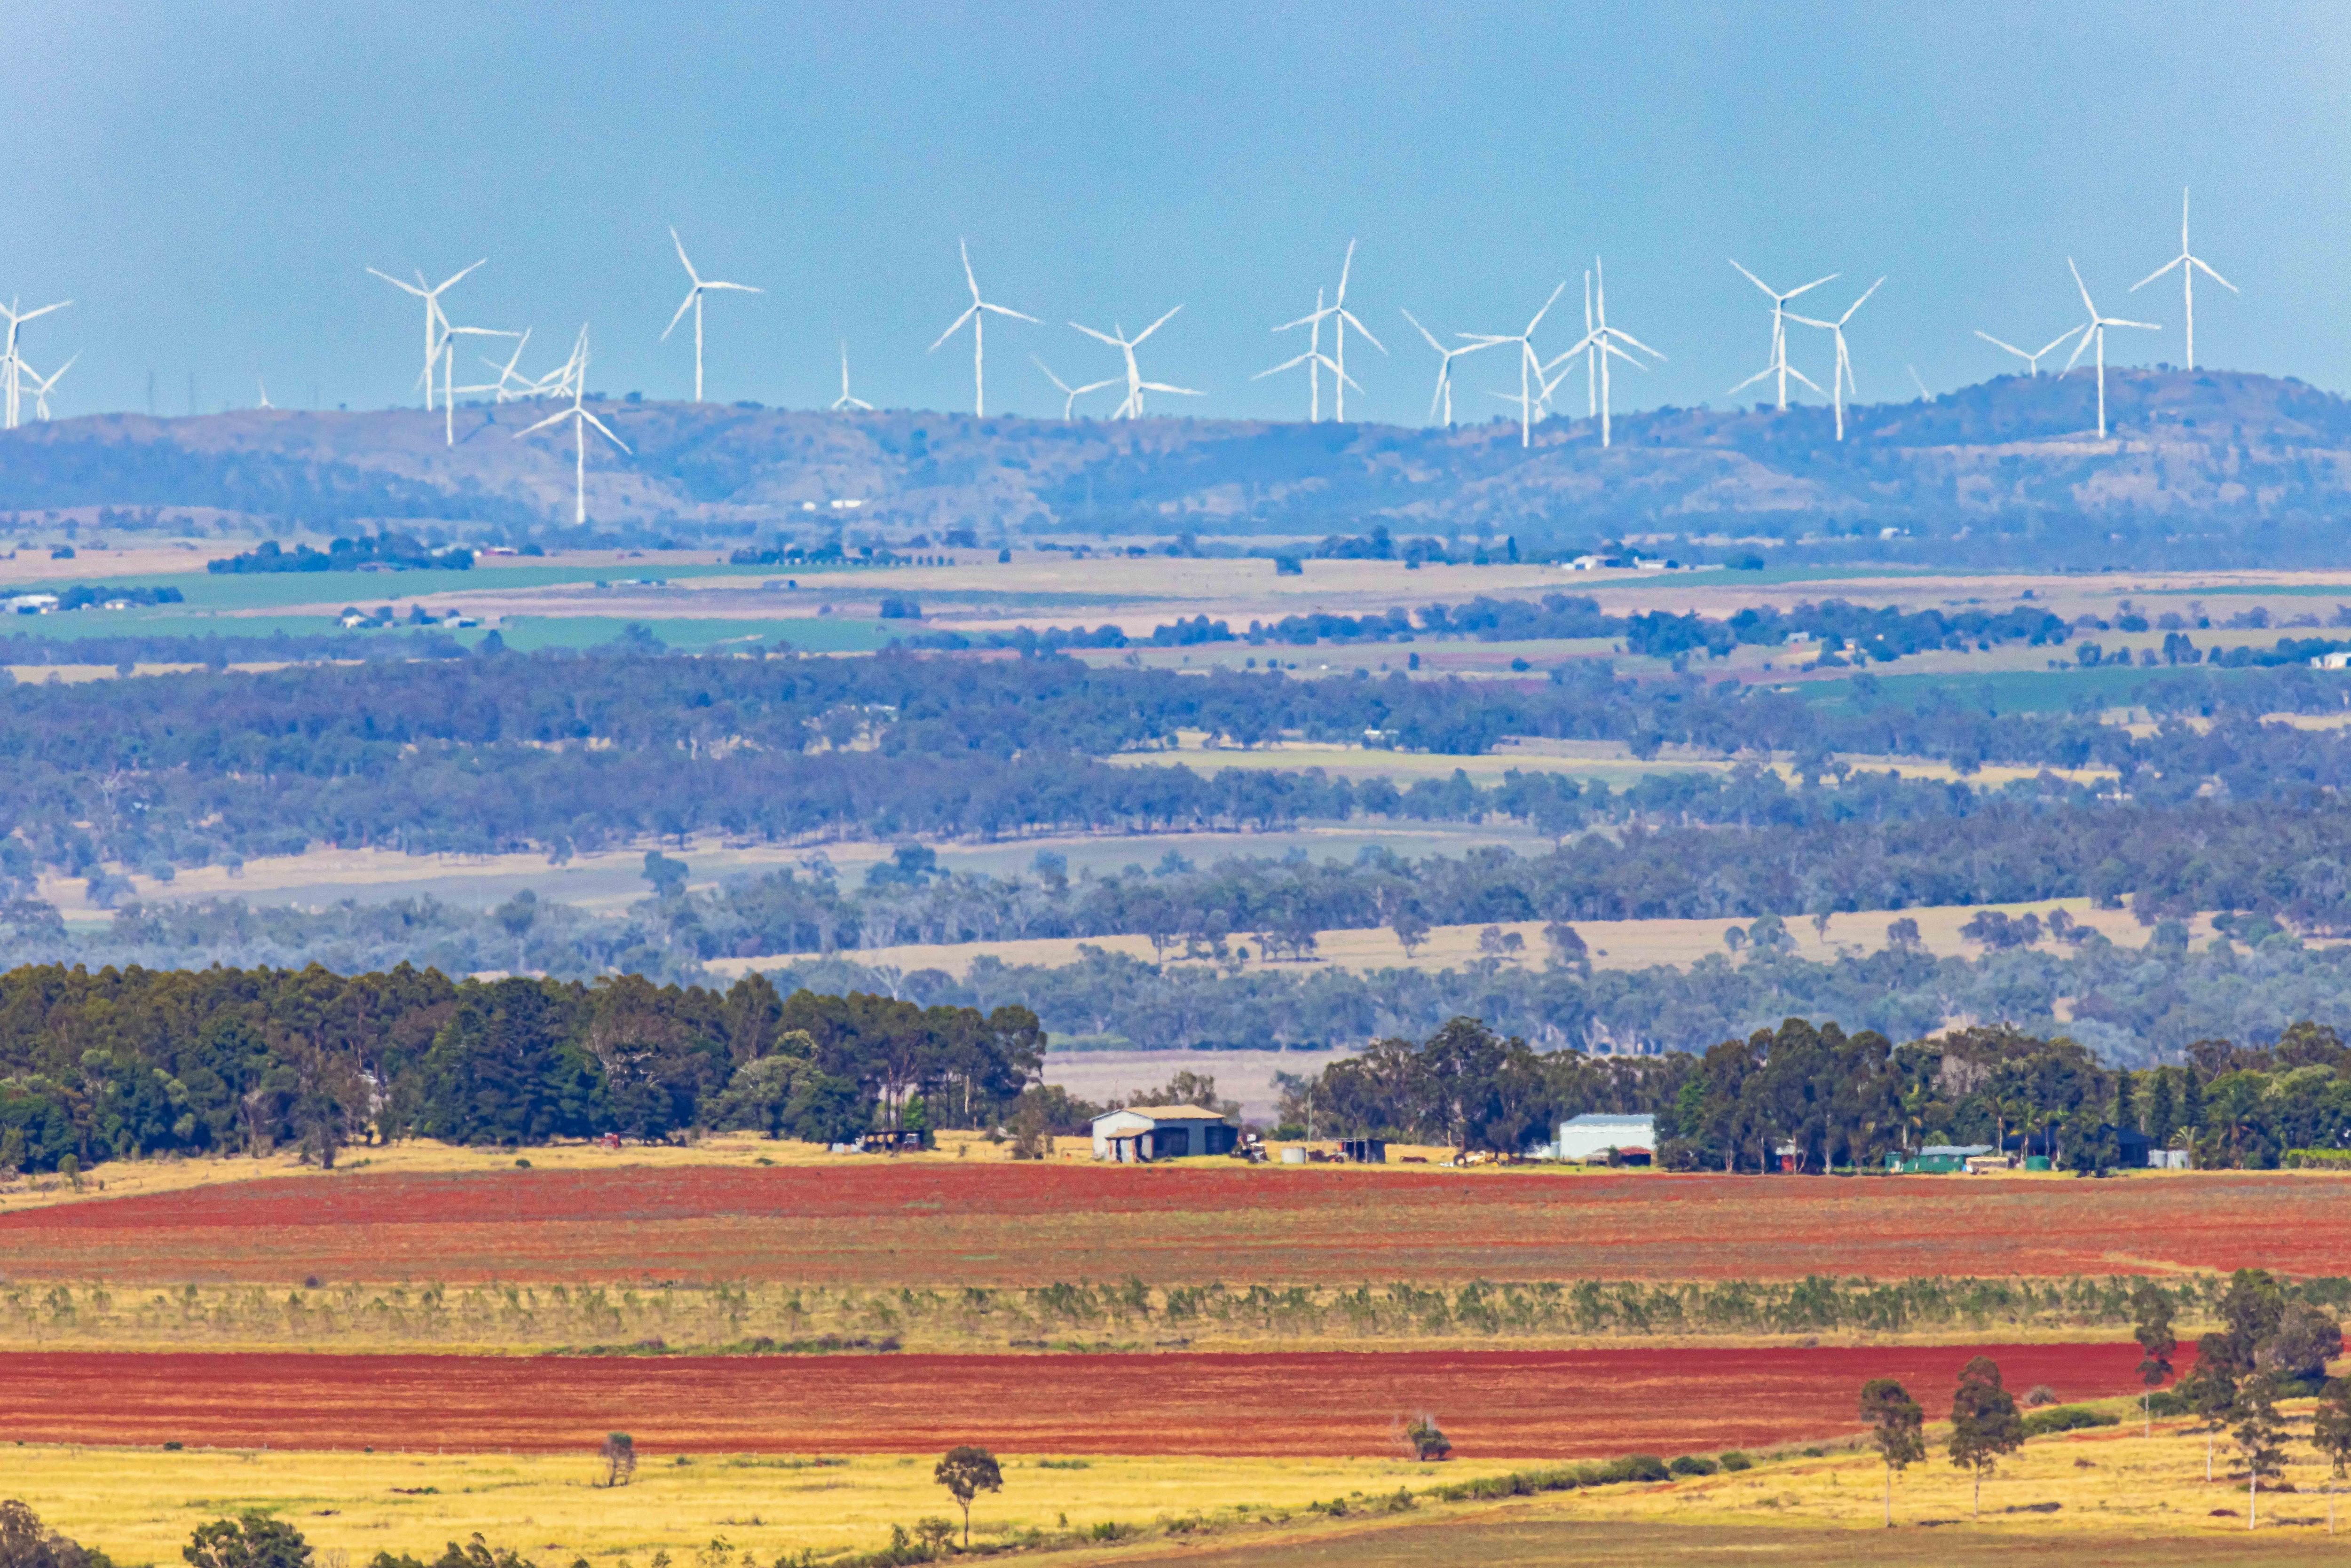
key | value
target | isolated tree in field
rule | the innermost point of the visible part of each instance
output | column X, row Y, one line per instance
column 967, row 1472
column 1428, row 1444
column 252, row 1540
column 2210, row 1389
column 2260, row 1436
column 1411, row 927
column 26, row 1542
column 1984, row 1423
column 620, row 1456
column 2151, row 1326
column 1896, row 1428
column 2330, row 1424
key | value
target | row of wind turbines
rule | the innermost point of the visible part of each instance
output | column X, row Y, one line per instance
column 1539, row 376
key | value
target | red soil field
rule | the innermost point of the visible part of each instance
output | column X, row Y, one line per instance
column 922, row 1222
column 1492, row 1403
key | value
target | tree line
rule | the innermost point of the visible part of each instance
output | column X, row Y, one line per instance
column 1811, row 1099
column 130, row 1064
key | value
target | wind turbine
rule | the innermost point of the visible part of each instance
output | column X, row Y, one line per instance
column 1600, row 340
column 1341, row 319
column 977, row 313
column 2187, row 262
column 1135, row 385
column 257, row 381
column 12, row 368
column 844, row 403
column 1842, row 381
column 1315, row 360
column 2032, row 360
column 433, row 319
column 581, row 419
column 2097, row 328
column 1527, row 363
column 1444, row 392
column 503, row 389
column 449, row 336
column 701, row 285
column 1070, row 394
column 43, row 385
column 1778, row 367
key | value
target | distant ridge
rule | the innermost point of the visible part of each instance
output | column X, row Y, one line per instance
column 2212, row 467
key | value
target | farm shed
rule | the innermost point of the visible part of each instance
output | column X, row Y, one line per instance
column 1363, row 1151
column 1590, row 1137
column 1936, row 1159
column 1143, row 1132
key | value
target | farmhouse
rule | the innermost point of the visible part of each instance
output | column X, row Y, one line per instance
column 1590, row 1137
column 1140, row 1134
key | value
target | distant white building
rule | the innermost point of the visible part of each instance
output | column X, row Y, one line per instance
column 30, row 603
column 1590, row 1137
column 1142, row 1133
column 2332, row 662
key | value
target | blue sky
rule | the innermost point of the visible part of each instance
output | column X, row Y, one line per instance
column 208, row 183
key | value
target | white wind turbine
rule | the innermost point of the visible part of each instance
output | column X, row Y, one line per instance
column 1529, row 365
column 43, row 385
column 1601, row 340
column 1135, row 385
column 844, row 403
column 433, row 318
column 977, row 313
column 1070, row 394
column 1778, row 367
column 701, row 286
column 1444, row 392
column 260, row 385
column 449, row 389
column 581, row 419
column 12, row 369
column 2095, row 329
column 1841, row 382
column 2187, row 262
column 511, row 383
column 1315, row 360
column 1341, row 319
column 2032, row 360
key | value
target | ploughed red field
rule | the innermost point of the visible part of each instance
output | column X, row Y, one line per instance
column 921, row 1220
column 1492, row 1403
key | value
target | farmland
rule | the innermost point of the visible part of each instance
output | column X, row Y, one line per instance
column 1493, row 1404
column 936, row 1221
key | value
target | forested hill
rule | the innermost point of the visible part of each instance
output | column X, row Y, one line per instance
column 2203, row 469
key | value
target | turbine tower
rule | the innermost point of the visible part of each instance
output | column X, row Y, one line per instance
column 1530, row 366
column 1778, row 367
column 977, row 313
column 433, row 319
column 581, row 419
column 449, row 390
column 1315, row 360
column 2095, row 329
column 1341, row 319
column 2032, row 360
column 2187, row 261
column 1135, row 385
column 701, row 286
column 845, row 402
column 1070, row 394
column 1600, row 340
column 12, row 369
column 1842, row 381
column 1444, row 392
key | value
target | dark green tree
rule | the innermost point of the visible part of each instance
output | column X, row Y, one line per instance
column 967, row 1471
column 1896, row 1428
column 26, row 1542
column 1985, row 1424
column 252, row 1540
column 2151, row 1317
column 2260, row 1436
column 2330, row 1424
column 507, row 1068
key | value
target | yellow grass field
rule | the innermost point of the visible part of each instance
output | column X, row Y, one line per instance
column 1613, row 944
column 2086, row 1487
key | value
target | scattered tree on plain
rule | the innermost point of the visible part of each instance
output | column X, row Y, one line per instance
column 1897, row 1429
column 252, row 1540
column 2151, row 1312
column 967, row 1471
column 2260, row 1436
column 620, row 1456
column 1985, row 1423
column 1428, row 1444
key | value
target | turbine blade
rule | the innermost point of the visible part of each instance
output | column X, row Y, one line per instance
column 1349, row 317
column 2159, row 272
column 1424, row 331
column 1860, row 302
column 454, row 277
column 609, row 435
column 968, row 313
column 2116, row 322
column 963, row 249
column 1805, row 379
column 1049, row 376
column 681, row 256
column 737, row 288
column 404, row 287
column 1546, row 309
column 1287, row 364
column 2012, row 349
column 2086, row 303
column 2215, row 276
column 2088, row 332
column 1152, row 328
column 2053, row 342
column 1815, row 282
column 1089, row 331
column 1764, row 374
column 690, row 296
column 1756, row 281
column 1613, row 332
column 1005, row 310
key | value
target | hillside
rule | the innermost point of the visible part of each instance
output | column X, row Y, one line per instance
column 2201, row 469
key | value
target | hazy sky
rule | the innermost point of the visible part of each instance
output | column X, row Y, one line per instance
column 208, row 182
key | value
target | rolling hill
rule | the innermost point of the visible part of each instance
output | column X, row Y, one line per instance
column 2206, row 468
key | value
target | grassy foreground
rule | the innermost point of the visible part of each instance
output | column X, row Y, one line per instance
column 2083, row 1494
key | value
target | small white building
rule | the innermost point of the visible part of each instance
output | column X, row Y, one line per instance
column 1142, row 1133
column 2332, row 662
column 1590, row 1137
column 30, row 603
